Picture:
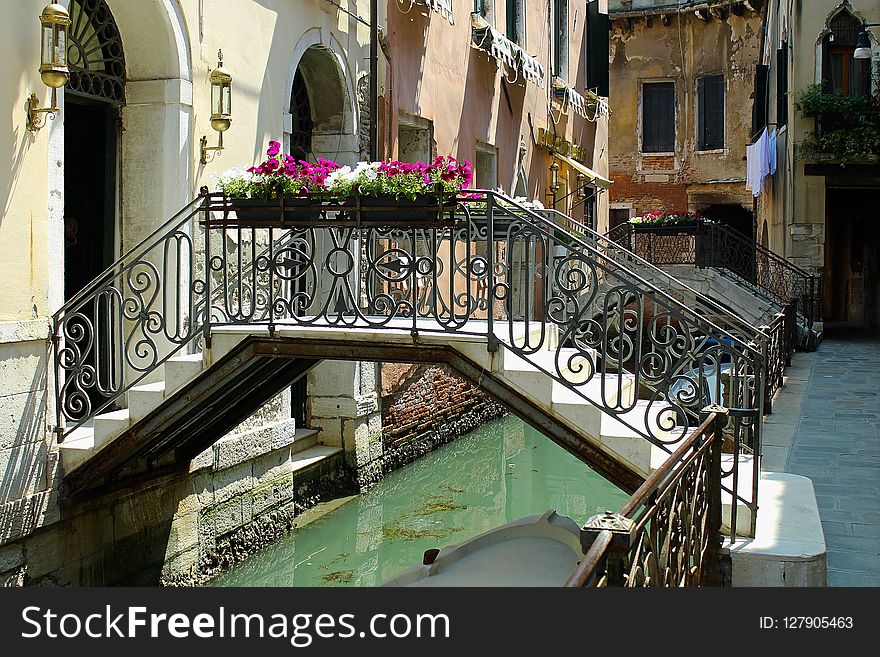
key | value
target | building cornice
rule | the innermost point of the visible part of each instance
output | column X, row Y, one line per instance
column 703, row 9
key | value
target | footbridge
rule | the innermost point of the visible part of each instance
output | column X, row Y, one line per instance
column 192, row 330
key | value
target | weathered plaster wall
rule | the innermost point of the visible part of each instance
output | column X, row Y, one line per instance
column 681, row 48
column 434, row 73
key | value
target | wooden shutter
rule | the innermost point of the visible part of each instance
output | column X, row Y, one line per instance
column 710, row 112
column 598, row 30
column 782, row 85
column 759, row 107
column 658, row 117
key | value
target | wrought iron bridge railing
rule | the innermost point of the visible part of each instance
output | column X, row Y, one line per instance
column 486, row 266
column 668, row 533
column 707, row 244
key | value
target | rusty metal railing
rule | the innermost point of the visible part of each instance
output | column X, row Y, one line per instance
column 668, row 534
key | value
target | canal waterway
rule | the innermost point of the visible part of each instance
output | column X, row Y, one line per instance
column 498, row 473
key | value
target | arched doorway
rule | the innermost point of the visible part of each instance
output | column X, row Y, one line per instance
column 321, row 121
column 92, row 102
column 321, row 110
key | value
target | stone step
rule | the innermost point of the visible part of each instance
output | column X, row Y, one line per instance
column 313, row 456
column 77, row 447
column 180, row 370
column 623, row 433
column 567, row 359
column 603, row 389
column 304, row 439
column 109, row 425
column 143, row 399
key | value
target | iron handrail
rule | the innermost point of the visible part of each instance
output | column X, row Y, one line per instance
column 735, row 254
column 548, row 226
column 607, row 243
column 499, row 270
column 187, row 212
column 622, row 550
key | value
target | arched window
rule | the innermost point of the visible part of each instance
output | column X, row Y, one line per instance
column 841, row 72
column 94, row 53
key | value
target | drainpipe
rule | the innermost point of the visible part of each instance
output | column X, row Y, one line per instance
column 374, row 82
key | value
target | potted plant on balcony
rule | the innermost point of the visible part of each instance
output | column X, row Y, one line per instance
column 847, row 127
column 286, row 191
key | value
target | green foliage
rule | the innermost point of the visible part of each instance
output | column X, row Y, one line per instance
column 845, row 145
column 814, row 102
column 847, row 127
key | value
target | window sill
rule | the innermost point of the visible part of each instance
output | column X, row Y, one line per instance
column 712, row 151
column 660, row 154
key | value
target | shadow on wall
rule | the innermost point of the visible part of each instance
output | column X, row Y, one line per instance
column 23, row 460
column 18, row 140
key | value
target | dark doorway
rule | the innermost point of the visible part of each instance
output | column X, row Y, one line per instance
column 89, row 191
column 732, row 216
column 736, row 251
column 852, row 231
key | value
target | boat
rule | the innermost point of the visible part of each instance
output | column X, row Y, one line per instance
column 539, row 550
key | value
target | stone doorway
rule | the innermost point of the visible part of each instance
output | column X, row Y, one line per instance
column 94, row 94
column 852, row 264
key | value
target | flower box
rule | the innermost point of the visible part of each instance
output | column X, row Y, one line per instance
column 253, row 211
column 320, row 210
column 666, row 229
column 325, row 194
column 425, row 211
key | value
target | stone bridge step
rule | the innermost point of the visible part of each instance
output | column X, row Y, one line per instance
column 144, row 398
column 180, row 370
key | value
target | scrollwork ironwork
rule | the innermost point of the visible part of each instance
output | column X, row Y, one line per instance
column 499, row 271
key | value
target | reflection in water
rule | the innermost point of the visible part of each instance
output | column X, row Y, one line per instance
column 498, row 473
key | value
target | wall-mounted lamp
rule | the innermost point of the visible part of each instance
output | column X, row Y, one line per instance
column 54, row 22
column 554, row 177
column 863, row 44
column 221, row 106
column 582, row 186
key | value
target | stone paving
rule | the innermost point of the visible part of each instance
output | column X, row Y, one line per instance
column 825, row 425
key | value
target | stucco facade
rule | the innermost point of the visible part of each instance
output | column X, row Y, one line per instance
column 470, row 101
column 680, row 44
column 808, row 210
column 148, row 147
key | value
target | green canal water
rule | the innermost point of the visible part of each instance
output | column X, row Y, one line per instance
column 498, row 473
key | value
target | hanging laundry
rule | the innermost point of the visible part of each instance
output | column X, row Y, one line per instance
column 771, row 148
column 758, row 161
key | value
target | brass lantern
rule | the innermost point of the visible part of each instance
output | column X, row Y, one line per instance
column 54, row 22
column 581, row 186
column 554, row 177
column 221, row 106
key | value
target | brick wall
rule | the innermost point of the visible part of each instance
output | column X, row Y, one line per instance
column 429, row 407
column 648, row 196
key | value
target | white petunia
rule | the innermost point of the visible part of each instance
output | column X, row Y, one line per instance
column 338, row 178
